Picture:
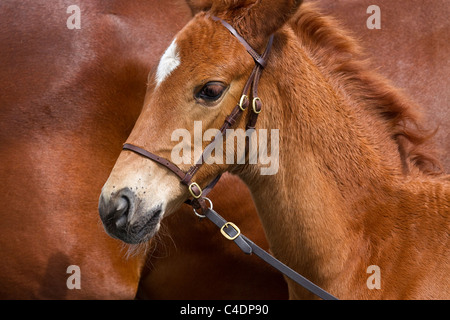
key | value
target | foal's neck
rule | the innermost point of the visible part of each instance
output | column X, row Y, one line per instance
column 333, row 169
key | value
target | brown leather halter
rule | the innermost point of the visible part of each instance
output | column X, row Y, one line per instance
column 228, row 229
column 244, row 102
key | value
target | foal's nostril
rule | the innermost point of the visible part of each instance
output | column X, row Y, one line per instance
column 116, row 210
column 122, row 203
column 122, row 211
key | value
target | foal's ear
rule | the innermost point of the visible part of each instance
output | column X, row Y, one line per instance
column 255, row 20
column 199, row 5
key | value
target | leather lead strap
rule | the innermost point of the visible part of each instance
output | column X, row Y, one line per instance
column 248, row 247
column 230, row 231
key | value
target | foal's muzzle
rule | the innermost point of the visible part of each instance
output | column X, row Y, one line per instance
column 124, row 219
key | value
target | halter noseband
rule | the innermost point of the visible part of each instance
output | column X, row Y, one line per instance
column 244, row 102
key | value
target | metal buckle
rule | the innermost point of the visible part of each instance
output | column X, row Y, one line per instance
column 192, row 192
column 227, row 225
column 254, row 105
column 241, row 102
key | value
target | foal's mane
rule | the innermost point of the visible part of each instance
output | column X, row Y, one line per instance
column 339, row 56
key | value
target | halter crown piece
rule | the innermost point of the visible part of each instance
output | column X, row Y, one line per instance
column 186, row 177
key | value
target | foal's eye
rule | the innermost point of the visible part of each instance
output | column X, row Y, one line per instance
column 211, row 91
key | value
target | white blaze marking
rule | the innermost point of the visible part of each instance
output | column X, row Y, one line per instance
column 169, row 62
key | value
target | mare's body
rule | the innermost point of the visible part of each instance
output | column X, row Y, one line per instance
column 68, row 100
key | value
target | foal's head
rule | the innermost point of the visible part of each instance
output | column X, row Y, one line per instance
column 200, row 78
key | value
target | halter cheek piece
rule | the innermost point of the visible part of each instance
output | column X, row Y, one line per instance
column 228, row 229
column 244, row 102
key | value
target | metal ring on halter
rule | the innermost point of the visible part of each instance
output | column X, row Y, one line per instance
column 201, row 216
